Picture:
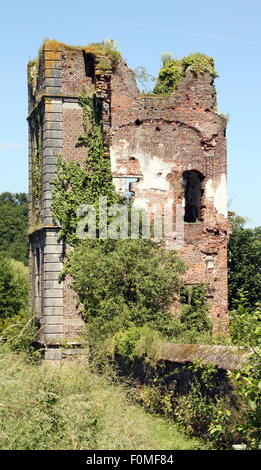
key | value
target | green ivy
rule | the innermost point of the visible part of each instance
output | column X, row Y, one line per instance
column 37, row 157
column 170, row 76
column 174, row 71
column 199, row 64
column 76, row 184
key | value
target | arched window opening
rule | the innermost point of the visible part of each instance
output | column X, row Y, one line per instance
column 193, row 194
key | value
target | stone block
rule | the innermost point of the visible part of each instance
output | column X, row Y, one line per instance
column 53, row 134
column 53, row 82
column 50, row 152
column 52, row 267
column 53, row 73
column 54, row 338
column 71, row 105
column 55, row 249
column 51, row 275
column 52, row 258
column 52, row 234
column 53, row 65
column 53, row 143
column 53, row 302
column 47, row 197
column 52, row 90
column 53, row 284
column 53, row 293
column 47, row 187
column 53, row 320
column 53, row 311
column 53, row 354
column 46, row 211
column 53, row 116
column 53, row 106
column 50, row 160
column 52, row 55
column 53, row 329
column 53, row 241
column 48, row 221
column 53, row 125
column 46, row 204
column 49, row 177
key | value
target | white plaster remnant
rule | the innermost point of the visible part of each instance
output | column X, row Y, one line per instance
column 154, row 172
column 153, row 168
column 218, row 193
column 116, row 153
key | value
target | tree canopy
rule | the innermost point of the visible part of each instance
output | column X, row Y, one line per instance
column 244, row 264
column 13, row 287
column 13, row 225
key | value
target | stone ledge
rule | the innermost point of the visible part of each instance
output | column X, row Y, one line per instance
column 224, row 357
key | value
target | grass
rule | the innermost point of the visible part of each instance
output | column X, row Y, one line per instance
column 70, row 407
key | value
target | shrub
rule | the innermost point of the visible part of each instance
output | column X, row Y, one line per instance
column 70, row 407
column 244, row 276
column 137, row 342
column 194, row 312
column 124, row 282
column 14, row 225
column 13, row 288
column 170, row 76
column 173, row 71
column 245, row 327
column 248, row 386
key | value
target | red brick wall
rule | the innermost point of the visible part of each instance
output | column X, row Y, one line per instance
column 183, row 132
column 72, row 129
column 179, row 133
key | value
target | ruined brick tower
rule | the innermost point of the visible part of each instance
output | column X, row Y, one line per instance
column 165, row 150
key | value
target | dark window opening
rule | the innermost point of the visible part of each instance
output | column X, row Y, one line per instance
column 89, row 65
column 193, row 193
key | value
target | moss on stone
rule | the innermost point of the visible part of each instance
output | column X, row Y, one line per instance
column 100, row 50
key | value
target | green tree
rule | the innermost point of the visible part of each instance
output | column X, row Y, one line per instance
column 194, row 308
column 13, row 288
column 124, row 282
column 13, row 225
column 173, row 71
column 144, row 79
column 244, row 264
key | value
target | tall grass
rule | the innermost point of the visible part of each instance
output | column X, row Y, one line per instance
column 70, row 407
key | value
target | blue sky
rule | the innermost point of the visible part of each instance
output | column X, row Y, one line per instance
column 228, row 30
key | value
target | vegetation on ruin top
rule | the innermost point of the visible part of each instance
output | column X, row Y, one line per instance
column 174, row 71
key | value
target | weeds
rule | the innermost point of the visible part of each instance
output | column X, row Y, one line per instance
column 70, row 407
